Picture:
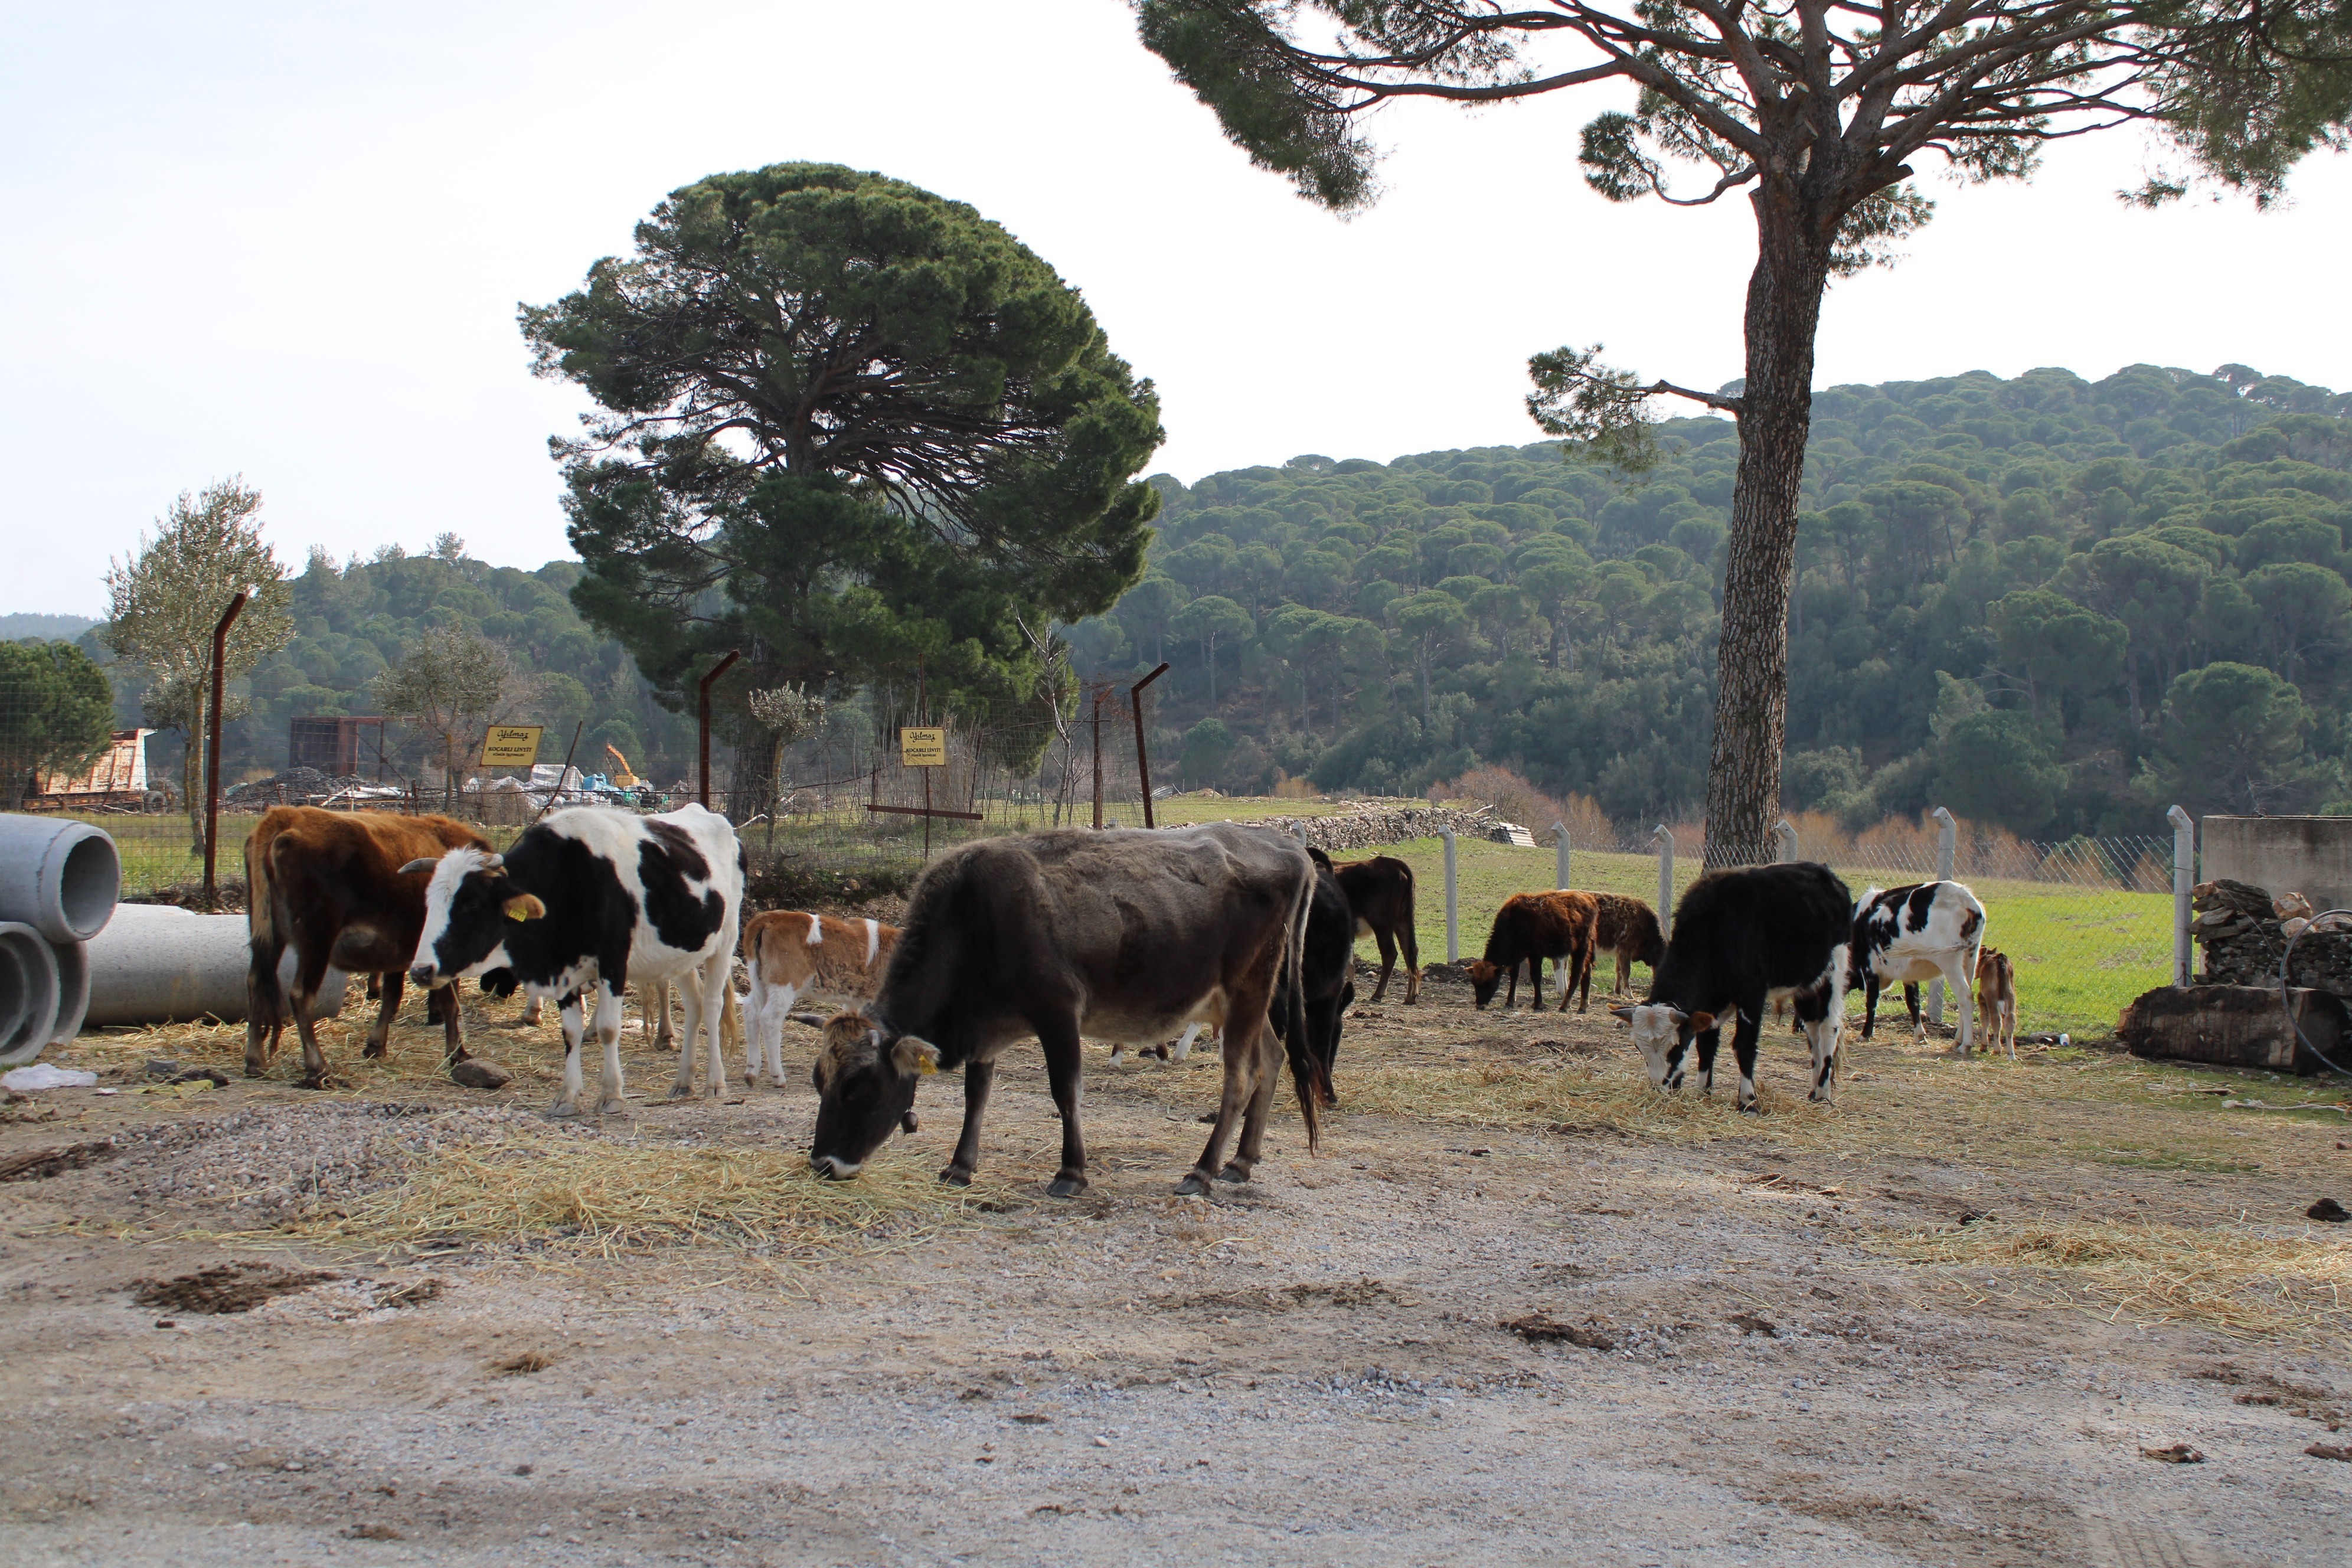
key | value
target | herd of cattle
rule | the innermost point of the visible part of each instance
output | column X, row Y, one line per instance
column 1121, row 936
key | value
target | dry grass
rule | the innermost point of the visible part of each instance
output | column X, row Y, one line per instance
column 2242, row 1280
column 593, row 1196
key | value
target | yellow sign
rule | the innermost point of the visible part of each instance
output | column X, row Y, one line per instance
column 922, row 748
column 511, row 745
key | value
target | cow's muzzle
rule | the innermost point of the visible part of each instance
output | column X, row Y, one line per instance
column 833, row 1168
column 422, row 975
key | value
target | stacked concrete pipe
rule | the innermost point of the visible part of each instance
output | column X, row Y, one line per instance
column 70, row 955
column 58, row 882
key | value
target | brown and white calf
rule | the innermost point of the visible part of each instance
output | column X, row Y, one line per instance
column 1901, row 936
column 1997, row 1000
column 793, row 954
column 1528, row 929
column 1627, row 928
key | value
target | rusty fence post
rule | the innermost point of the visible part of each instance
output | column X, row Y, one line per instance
column 1142, row 763
column 211, row 762
column 703, row 694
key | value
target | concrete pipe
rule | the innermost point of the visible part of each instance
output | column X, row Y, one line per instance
column 157, row 965
column 73, row 990
column 29, row 993
column 58, row 876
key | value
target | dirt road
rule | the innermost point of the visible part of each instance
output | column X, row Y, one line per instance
column 1307, row 1370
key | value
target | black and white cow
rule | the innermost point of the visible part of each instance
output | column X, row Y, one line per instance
column 1741, row 939
column 1901, row 936
column 582, row 903
column 1118, row 934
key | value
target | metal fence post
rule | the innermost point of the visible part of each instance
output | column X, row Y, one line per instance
column 212, row 761
column 1666, row 842
column 1948, row 833
column 2184, row 873
column 702, row 724
column 1559, row 854
column 1786, row 832
column 1452, row 910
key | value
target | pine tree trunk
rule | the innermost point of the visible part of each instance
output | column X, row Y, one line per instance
column 751, row 784
column 1751, row 704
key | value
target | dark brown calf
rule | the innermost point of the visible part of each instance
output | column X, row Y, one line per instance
column 328, row 884
column 1528, row 929
column 1380, row 893
column 1627, row 927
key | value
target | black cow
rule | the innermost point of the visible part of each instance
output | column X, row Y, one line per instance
column 583, row 902
column 1119, row 934
column 1741, row 939
column 1328, row 973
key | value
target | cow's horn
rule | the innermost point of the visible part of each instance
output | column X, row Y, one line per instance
column 425, row 863
column 492, row 862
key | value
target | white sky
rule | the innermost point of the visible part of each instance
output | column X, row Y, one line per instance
column 288, row 240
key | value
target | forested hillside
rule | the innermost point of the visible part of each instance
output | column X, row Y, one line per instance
column 2053, row 603
column 352, row 621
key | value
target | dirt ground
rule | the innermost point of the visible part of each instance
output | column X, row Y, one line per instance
column 1745, row 1365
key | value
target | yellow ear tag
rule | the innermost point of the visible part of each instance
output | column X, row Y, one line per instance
column 929, row 1063
column 518, row 911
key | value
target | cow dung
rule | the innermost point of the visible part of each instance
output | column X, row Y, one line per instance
column 225, row 1287
column 2329, row 1210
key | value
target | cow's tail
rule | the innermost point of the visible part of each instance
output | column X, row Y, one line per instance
column 264, row 1001
column 1303, row 1068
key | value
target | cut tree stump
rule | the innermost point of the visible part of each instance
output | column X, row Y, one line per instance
column 2234, row 1026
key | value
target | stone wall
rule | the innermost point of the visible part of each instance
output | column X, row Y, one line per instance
column 2243, row 941
column 1370, row 826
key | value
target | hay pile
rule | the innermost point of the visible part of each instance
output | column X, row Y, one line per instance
column 2250, row 1281
column 585, row 1196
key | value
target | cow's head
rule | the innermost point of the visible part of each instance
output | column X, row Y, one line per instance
column 1484, row 978
column 467, row 907
column 1662, row 1033
column 865, row 1079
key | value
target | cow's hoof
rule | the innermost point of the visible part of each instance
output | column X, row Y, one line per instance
column 563, row 1111
column 375, row 1050
column 317, row 1080
column 475, row 1073
column 681, row 1092
column 611, row 1105
column 956, row 1176
column 911, row 1122
column 1328, row 1100
column 255, row 1069
column 1750, row 1111
column 1066, row 1187
column 1194, row 1185
column 1235, row 1173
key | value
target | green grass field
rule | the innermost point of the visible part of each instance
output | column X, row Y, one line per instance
column 2081, row 953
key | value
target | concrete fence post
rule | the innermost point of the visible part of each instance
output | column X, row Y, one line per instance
column 1559, row 854
column 1666, row 842
column 1948, row 833
column 2184, row 875
column 1786, row 832
column 1453, row 908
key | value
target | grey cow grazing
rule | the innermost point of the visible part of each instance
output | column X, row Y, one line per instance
column 1118, row 934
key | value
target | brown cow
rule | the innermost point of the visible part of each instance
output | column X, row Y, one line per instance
column 791, row 953
column 328, row 884
column 1380, row 892
column 1528, row 929
column 1996, row 1001
column 1627, row 927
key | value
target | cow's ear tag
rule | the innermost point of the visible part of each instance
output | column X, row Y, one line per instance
column 524, row 907
column 914, row 1056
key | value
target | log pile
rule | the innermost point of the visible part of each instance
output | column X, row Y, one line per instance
column 2238, row 925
